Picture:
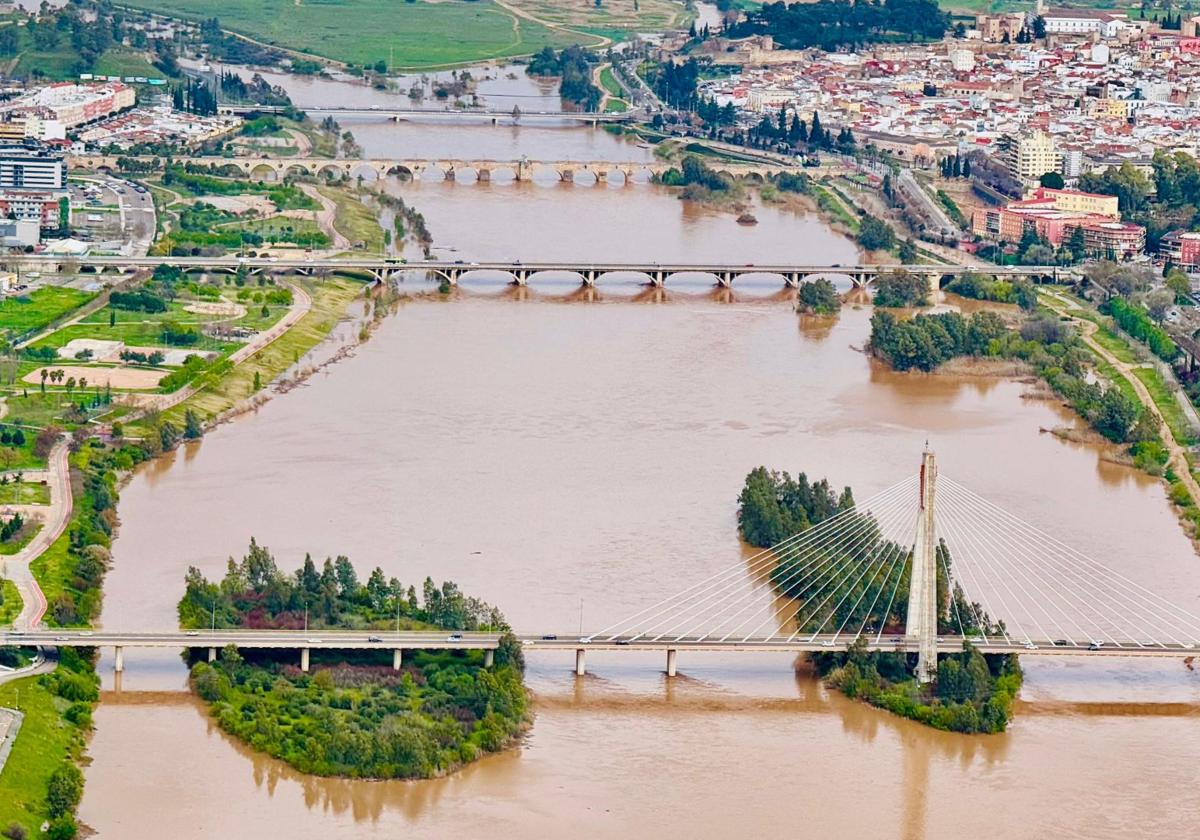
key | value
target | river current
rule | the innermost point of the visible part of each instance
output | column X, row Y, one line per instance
column 574, row 461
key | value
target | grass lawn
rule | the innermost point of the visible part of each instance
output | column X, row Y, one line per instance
column 1116, row 345
column 123, row 61
column 39, row 308
column 25, row 493
column 618, row 16
column 412, row 35
column 24, row 536
column 137, row 334
column 303, row 232
column 609, row 82
column 45, row 740
column 354, row 220
column 1172, row 412
column 10, row 606
column 330, row 299
column 616, row 106
column 51, row 569
column 37, row 409
column 21, row 457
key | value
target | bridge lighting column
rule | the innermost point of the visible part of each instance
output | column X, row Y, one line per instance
column 580, row 662
column 921, row 624
column 303, row 659
column 671, row 656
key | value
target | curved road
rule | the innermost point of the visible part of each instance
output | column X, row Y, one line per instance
column 58, row 514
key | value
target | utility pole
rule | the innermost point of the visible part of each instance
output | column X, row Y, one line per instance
column 921, row 622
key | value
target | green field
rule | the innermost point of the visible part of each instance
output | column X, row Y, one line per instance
column 406, row 35
column 122, row 61
column 609, row 82
column 10, row 608
column 39, row 308
column 46, row 738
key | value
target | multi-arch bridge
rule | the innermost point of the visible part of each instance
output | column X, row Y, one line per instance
column 520, row 272
column 481, row 169
column 495, row 115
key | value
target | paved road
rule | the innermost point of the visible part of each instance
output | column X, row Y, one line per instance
column 57, row 515
column 364, row 640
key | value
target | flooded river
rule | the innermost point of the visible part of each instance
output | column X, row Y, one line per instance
column 579, row 461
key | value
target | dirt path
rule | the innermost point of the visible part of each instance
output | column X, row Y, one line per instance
column 325, row 217
column 522, row 13
column 303, row 144
column 1178, row 454
column 57, row 515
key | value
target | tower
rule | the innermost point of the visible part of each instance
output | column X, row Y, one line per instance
column 921, row 625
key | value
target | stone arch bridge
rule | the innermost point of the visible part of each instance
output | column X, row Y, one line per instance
column 484, row 170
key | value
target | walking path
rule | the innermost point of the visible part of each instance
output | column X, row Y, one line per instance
column 56, row 517
column 301, row 304
column 1178, row 454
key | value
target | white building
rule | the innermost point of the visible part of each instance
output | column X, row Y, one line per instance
column 962, row 61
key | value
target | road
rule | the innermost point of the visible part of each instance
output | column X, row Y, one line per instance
column 57, row 515
column 1178, row 454
column 382, row 640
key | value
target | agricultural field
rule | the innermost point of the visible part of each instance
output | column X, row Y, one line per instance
column 416, row 35
column 636, row 15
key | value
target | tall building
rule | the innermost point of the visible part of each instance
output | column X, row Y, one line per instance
column 33, row 184
column 30, row 167
column 1054, row 216
column 1030, row 155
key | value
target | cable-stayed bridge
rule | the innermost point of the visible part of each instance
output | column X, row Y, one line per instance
column 922, row 568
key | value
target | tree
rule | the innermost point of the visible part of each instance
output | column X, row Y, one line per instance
column 901, row 289
column 1180, row 284
column 875, row 234
column 907, row 252
column 818, row 297
column 1052, row 180
column 192, row 428
column 64, row 790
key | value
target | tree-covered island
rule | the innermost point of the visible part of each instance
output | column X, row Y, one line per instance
column 352, row 715
column 973, row 692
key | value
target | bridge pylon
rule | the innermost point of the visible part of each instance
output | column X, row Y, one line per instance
column 921, row 623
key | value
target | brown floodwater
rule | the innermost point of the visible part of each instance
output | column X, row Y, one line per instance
column 579, row 461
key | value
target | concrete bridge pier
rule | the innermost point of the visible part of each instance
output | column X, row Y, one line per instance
column 397, row 659
column 589, row 278
column 580, row 662
column 483, row 176
column 657, row 279
column 212, row 654
column 521, row 277
column 118, row 659
column 725, row 279
column 304, row 659
column 792, row 281
column 489, row 658
column 671, row 656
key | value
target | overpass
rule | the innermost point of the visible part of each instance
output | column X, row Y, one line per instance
column 493, row 115
column 520, row 273
column 272, row 169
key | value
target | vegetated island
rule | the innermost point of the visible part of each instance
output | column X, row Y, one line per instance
column 352, row 715
column 973, row 692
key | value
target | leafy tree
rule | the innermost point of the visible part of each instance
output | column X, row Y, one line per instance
column 901, row 289
column 1052, row 180
column 818, row 297
column 64, row 790
column 875, row 234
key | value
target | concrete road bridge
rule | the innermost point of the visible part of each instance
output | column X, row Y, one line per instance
column 520, row 272
column 869, row 578
column 493, row 115
column 273, row 169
